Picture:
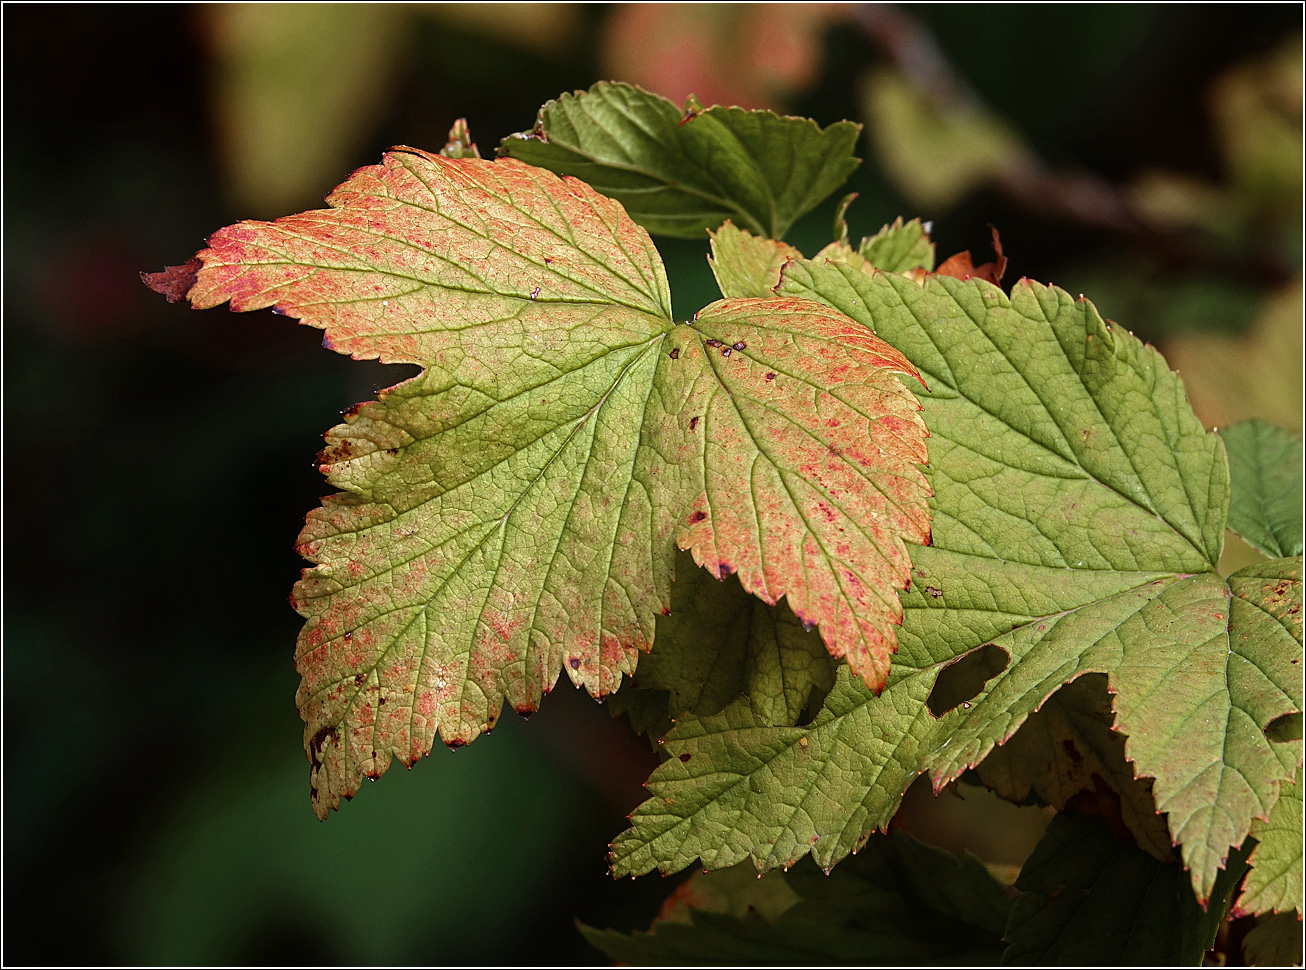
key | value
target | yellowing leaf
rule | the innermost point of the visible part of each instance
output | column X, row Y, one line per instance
column 747, row 265
column 513, row 511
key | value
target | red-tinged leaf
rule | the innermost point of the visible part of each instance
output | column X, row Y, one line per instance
column 960, row 266
column 809, row 446
column 175, row 281
column 513, row 511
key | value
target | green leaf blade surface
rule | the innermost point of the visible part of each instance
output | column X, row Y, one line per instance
column 680, row 173
column 747, row 265
column 1274, row 884
column 1131, row 484
column 899, row 247
column 1079, row 511
column 1265, row 467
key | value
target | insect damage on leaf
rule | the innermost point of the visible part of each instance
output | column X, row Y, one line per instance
column 512, row 512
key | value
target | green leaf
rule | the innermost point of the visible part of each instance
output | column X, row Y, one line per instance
column 719, row 643
column 295, row 91
column 513, row 511
column 679, row 173
column 898, row 902
column 899, row 248
column 1265, row 473
column 1076, row 493
column 1275, row 881
column 1088, row 898
column 749, row 265
column 460, row 144
column 1275, row 941
column 1079, row 509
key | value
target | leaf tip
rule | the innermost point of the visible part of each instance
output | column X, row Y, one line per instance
column 174, row 282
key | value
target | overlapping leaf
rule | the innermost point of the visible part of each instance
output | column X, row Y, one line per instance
column 747, row 265
column 513, row 510
column 899, row 247
column 1067, row 751
column 1265, row 469
column 899, row 903
column 1079, row 510
column 1275, row 882
column 1087, row 897
column 718, row 643
column 679, row 173
column 1275, row 941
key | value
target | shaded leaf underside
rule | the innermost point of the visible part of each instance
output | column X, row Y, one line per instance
column 1089, row 897
column 719, row 643
column 899, row 903
column 1078, row 511
column 513, row 510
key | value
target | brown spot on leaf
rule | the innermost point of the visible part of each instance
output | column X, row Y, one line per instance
column 175, row 281
column 770, row 375
column 693, row 422
column 698, row 516
column 574, row 663
column 712, row 342
column 675, row 353
column 684, row 757
column 740, row 345
column 725, row 351
column 934, row 591
column 318, row 743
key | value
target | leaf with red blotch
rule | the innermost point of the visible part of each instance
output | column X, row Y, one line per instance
column 513, row 511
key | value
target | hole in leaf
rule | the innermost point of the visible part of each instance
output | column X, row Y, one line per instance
column 1286, row 728
column 965, row 677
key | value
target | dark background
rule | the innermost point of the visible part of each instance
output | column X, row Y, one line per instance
column 158, row 462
